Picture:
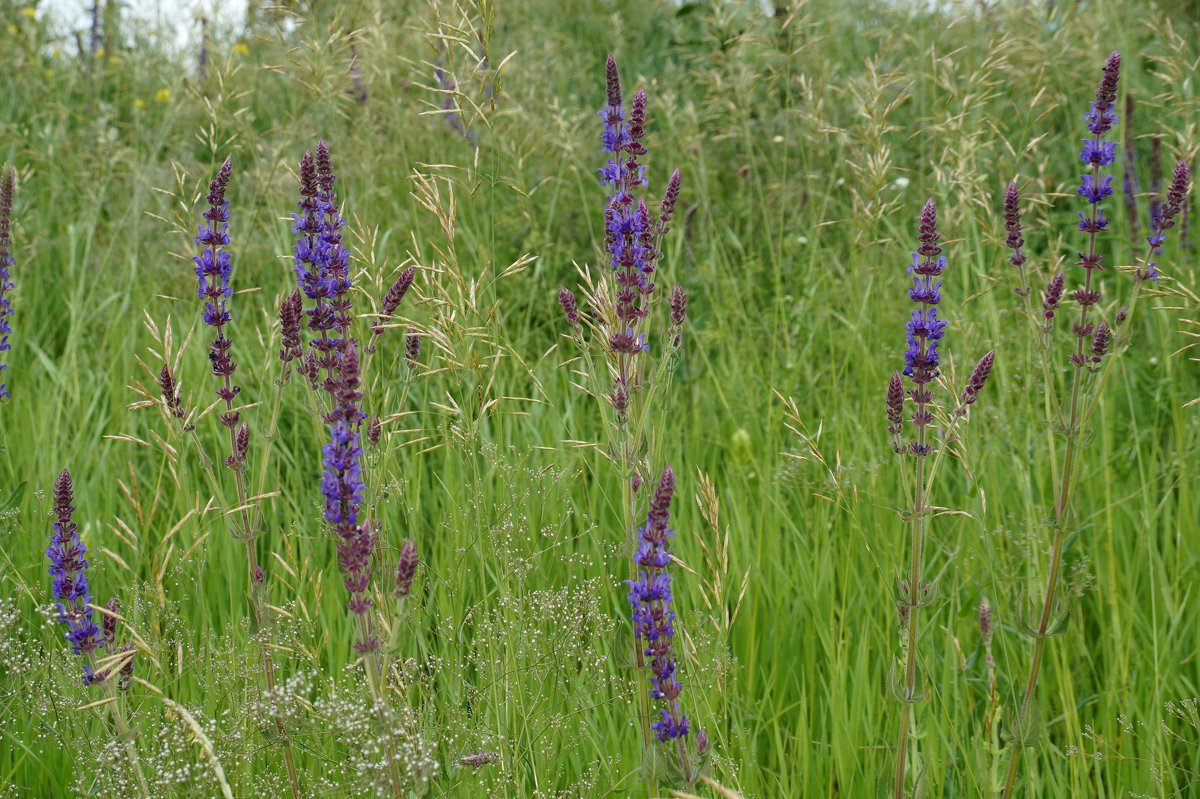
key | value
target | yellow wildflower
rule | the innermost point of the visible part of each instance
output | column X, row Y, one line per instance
column 162, row 95
column 241, row 48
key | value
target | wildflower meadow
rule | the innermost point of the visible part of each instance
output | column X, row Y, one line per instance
column 680, row 398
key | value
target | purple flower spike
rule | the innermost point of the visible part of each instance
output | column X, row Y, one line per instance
column 213, row 266
column 337, row 257
column 68, row 567
column 925, row 330
column 8, row 188
column 1103, row 115
column 321, row 263
column 653, row 618
column 214, row 269
column 1095, row 188
column 612, row 80
column 343, row 488
column 629, row 236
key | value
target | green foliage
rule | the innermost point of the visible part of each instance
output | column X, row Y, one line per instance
column 808, row 142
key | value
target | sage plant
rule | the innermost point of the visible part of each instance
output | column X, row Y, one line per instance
column 1097, row 343
column 321, row 264
column 214, row 271
column 626, row 367
column 8, row 188
column 70, row 587
column 932, row 433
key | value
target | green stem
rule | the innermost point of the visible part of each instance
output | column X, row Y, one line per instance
column 1062, row 509
column 123, row 731
column 913, row 600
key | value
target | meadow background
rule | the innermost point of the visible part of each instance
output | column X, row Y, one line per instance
column 809, row 135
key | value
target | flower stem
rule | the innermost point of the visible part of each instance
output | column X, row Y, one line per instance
column 1062, row 509
column 913, row 601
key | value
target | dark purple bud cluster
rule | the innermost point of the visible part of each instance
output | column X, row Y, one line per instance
column 241, row 446
column 290, row 312
column 68, row 567
column 978, row 379
column 985, row 621
column 8, row 189
column 653, row 619
column 406, row 569
column 1012, row 224
column 412, row 349
column 1052, row 296
column 669, row 201
column 1100, row 341
column 108, row 625
column 678, row 305
column 393, row 298
column 570, row 307
column 1164, row 219
column 170, row 392
column 895, row 410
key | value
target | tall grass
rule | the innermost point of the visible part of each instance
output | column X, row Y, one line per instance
column 803, row 139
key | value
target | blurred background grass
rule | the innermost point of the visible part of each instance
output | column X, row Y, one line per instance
column 809, row 134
